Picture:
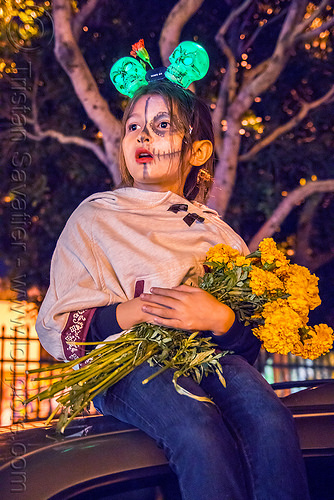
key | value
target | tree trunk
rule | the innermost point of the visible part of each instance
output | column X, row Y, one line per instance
column 72, row 61
column 226, row 168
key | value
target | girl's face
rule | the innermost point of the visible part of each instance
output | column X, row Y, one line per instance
column 152, row 147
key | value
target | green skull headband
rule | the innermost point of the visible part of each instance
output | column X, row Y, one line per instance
column 189, row 62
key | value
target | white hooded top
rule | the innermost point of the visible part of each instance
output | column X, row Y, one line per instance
column 115, row 240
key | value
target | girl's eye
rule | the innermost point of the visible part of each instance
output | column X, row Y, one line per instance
column 132, row 127
column 164, row 124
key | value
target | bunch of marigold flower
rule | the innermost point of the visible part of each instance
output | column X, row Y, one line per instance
column 265, row 290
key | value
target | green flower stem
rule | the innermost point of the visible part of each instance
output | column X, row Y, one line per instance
column 113, row 360
column 151, row 377
column 120, row 376
column 73, row 377
column 52, row 415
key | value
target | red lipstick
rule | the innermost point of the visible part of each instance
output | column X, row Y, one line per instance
column 143, row 155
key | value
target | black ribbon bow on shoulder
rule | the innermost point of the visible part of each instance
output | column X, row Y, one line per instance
column 178, row 207
column 190, row 218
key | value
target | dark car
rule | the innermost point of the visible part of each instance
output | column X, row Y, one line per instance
column 101, row 458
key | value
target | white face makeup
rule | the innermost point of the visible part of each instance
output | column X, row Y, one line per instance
column 152, row 146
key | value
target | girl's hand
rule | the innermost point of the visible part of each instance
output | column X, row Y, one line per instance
column 131, row 313
column 187, row 308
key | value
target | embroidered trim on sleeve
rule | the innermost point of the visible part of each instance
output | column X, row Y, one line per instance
column 76, row 330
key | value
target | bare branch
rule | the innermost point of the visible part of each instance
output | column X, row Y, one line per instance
column 230, row 18
column 40, row 135
column 71, row 59
column 254, row 84
column 232, row 70
column 303, row 250
column 310, row 35
column 220, row 109
column 259, row 81
column 305, row 109
column 258, row 30
column 287, row 205
column 320, row 259
column 70, row 139
column 182, row 11
column 303, row 253
column 308, row 21
column 226, row 49
column 81, row 17
column 295, row 13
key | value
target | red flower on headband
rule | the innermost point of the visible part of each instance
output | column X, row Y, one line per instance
column 138, row 49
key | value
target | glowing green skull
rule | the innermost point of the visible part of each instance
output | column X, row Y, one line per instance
column 189, row 62
column 127, row 74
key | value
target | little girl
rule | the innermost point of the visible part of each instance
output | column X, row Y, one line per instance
column 129, row 256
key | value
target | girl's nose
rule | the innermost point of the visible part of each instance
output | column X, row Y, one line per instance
column 144, row 136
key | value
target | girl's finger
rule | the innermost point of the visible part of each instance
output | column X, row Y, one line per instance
column 159, row 312
column 163, row 300
column 169, row 323
column 166, row 292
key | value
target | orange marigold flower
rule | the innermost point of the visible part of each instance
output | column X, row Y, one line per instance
column 240, row 261
column 280, row 331
column 320, row 340
column 222, row 253
column 270, row 253
column 262, row 281
column 303, row 289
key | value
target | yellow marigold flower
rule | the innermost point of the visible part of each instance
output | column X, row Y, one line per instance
column 298, row 348
column 264, row 281
column 270, row 253
column 222, row 253
column 280, row 331
column 321, row 341
column 303, row 289
column 241, row 261
column 273, row 343
column 283, row 271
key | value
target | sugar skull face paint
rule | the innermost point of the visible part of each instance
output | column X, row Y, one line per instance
column 152, row 146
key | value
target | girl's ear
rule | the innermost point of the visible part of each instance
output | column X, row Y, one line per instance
column 201, row 152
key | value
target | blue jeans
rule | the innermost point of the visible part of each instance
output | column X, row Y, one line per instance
column 243, row 447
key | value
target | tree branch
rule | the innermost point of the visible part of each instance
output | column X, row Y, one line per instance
column 72, row 61
column 286, row 206
column 303, row 252
column 258, row 30
column 302, row 26
column 182, row 11
column 305, row 109
column 232, row 70
column 70, row 139
column 261, row 80
column 220, row 110
column 226, row 49
column 320, row 259
column 40, row 135
column 81, row 16
column 231, row 18
column 295, row 13
column 310, row 35
column 255, row 83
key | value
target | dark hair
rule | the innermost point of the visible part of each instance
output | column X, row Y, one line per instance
column 193, row 115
